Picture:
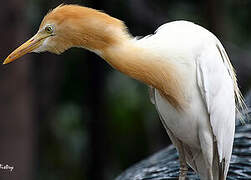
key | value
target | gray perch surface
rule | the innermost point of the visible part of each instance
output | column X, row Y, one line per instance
column 165, row 164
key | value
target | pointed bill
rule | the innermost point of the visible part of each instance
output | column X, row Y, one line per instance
column 25, row 48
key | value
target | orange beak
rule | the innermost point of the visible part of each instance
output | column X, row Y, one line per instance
column 25, row 48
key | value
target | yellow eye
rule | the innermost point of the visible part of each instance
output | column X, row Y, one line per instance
column 48, row 29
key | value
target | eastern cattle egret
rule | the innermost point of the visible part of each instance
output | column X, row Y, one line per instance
column 192, row 81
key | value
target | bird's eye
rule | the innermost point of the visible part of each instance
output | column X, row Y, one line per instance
column 49, row 29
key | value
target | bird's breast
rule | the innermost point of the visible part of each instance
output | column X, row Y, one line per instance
column 183, row 123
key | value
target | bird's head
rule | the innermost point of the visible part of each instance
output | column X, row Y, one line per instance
column 69, row 26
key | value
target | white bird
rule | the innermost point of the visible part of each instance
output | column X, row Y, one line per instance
column 192, row 81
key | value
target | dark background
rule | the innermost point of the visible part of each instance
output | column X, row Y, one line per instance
column 72, row 116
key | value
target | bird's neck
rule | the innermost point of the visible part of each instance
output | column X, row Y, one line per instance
column 146, row 66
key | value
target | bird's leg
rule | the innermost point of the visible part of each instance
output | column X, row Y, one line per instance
column 182, row 159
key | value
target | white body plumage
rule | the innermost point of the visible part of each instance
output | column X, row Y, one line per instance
column 206, row 126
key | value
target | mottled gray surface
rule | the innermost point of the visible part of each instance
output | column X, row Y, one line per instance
column 165, row 165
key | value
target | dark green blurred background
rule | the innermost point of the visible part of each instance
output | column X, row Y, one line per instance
column 72, row 116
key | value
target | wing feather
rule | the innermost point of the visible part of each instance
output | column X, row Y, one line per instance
column 217, row 83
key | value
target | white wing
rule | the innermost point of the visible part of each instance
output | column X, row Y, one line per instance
column 216, row 81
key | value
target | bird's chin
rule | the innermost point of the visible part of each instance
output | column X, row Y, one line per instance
column 39, row 50
column 43, row 47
